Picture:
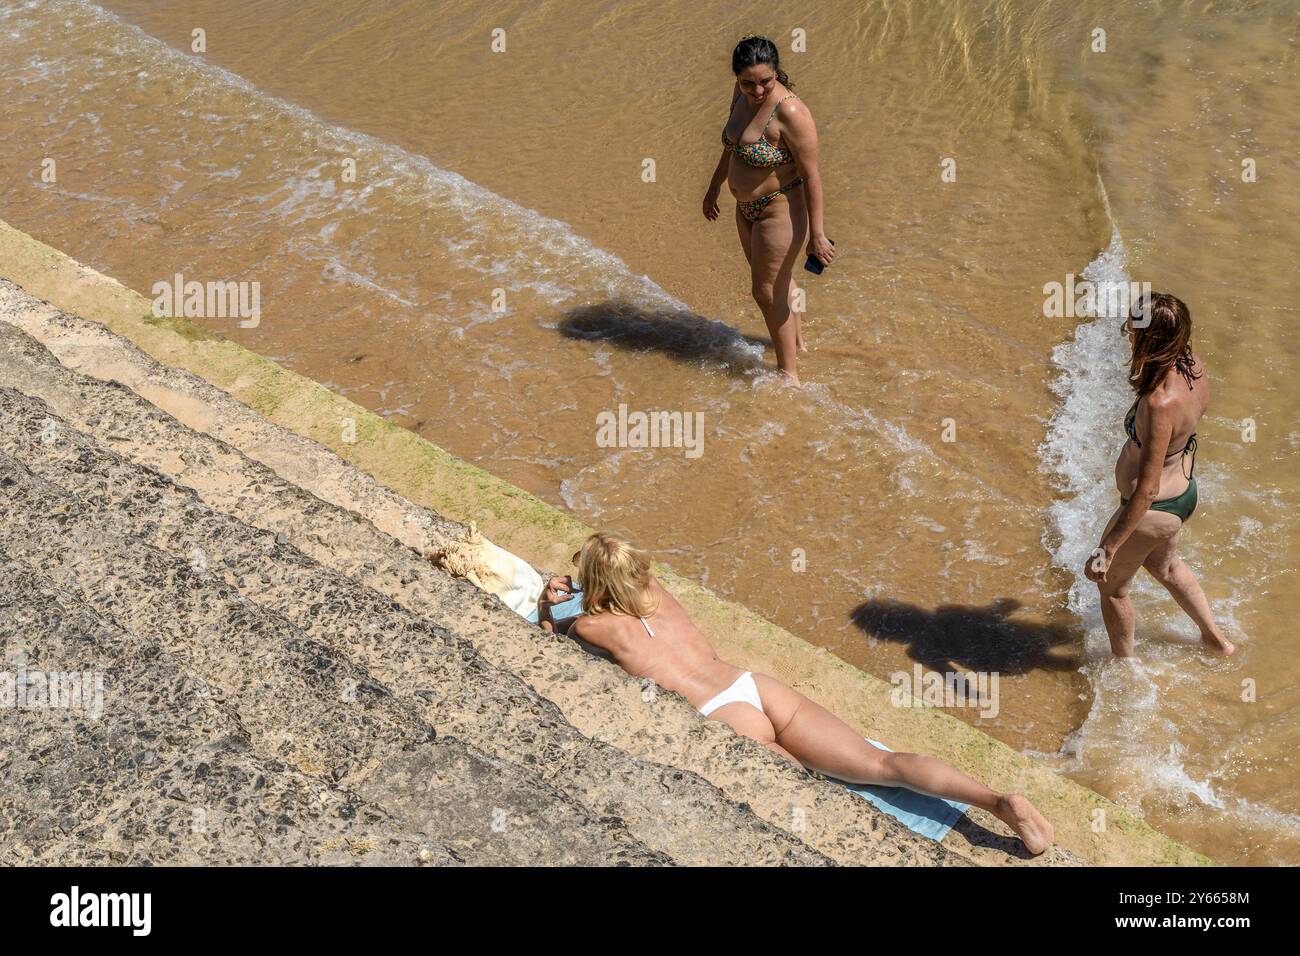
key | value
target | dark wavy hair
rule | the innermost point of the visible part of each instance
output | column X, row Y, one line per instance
column 755, row 50
column 1164, row 343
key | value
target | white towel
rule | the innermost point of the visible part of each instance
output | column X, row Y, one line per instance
column 492, row 568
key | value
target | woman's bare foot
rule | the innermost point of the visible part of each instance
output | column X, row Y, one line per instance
column 1023, row 817
column 1219, row 643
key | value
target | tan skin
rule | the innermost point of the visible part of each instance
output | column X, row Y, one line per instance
column 774, row 245
column 1136, row 537
column 680, row 658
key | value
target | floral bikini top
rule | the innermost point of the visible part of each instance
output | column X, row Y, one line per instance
column 761, row 153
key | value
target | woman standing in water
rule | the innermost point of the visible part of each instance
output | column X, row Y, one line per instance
column 1155, row 474
column 769, row 152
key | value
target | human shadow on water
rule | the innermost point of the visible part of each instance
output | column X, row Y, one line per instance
column 955, row 637
column 676, row 333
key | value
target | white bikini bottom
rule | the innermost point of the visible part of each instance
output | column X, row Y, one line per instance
column 743, row 690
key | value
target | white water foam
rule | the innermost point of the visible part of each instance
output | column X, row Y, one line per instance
column 1083, row 436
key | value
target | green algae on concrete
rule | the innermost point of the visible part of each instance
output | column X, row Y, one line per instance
column 520, row 522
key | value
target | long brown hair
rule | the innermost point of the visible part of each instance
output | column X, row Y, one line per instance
column 1164, row 342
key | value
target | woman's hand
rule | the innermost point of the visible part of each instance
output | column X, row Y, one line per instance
column 820, row 248
column 1095, row 568
column 711, row 209
column 558, row 590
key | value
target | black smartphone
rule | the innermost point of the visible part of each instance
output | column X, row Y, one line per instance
column 814, row 265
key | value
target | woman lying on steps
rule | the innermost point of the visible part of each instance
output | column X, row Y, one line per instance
column 629, row 617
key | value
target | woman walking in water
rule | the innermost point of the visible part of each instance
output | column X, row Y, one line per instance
column 769, row 161
column 1156, row 474
column 630, row 618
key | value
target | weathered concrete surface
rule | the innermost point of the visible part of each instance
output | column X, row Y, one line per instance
column 165, row 775
column 168, row 773
column 521, row 523
column 66, row 489
column 287, row 701
column 442, row 677
column 674, row 811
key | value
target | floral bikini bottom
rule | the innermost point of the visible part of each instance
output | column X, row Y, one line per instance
column 751, row 209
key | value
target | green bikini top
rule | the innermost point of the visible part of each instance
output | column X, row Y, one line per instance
column 761, row 153
column 1130, row 426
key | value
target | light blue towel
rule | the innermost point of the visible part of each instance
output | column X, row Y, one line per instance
column 929, row 816
column 570, row 608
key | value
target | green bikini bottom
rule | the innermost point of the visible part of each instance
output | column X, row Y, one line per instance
column 1182, row 506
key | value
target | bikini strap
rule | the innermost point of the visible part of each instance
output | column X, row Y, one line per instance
column 774, row 109
column 1191, row 446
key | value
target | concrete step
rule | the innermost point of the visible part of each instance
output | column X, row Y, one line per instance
column 344, row 534
column 445, row 678
column 155, row 771
column 297, row 702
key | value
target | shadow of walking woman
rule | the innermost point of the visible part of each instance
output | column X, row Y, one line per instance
column 678, row 334
column 962, row 637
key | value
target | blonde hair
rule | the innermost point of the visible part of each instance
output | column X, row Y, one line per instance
column 615, row 577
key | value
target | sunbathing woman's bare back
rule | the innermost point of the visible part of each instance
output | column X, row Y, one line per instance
column 677, row 656
column 666, row 647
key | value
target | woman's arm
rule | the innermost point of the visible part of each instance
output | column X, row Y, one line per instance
column 557, row 591
column 590, row 642
column 594, row 648
column 711, row 210
column 724, row 161
column 720, row 173
column 800, row 133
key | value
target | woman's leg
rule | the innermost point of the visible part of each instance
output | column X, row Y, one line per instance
column 745, row 229
column 1168, row 568
column 798, row 215
column 775, row 242
column 797, row 306
column 1156, row 529
column 820, row 740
